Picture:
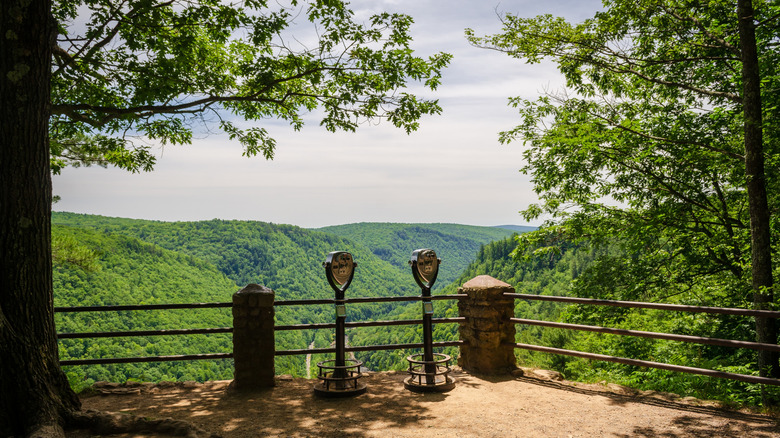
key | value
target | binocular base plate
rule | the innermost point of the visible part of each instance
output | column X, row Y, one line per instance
column 442, row 384
column 332, row 391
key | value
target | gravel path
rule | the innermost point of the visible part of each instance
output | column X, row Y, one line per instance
column 534, row 405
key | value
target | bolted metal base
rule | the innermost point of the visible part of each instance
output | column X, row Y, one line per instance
column 339, row 380
column 429, row 376
column 441, row 385
column 333, row 392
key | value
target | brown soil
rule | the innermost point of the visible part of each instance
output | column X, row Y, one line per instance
column 534, row 405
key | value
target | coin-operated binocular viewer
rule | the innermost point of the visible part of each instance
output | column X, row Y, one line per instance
column 339, row 377
column 429, row 371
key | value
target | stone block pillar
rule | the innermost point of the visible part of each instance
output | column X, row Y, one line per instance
column 487, row 326
column 253, row 338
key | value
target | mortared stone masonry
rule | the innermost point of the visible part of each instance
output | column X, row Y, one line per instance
column 487, row 329
column 253, row 338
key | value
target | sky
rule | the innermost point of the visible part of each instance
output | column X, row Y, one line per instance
column 452, row 170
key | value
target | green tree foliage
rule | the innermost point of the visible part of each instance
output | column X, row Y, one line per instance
column 573, row 270
column 125, row 270
column 127, row 74
column 285, row 258
column 647, row 152
column 66, row 249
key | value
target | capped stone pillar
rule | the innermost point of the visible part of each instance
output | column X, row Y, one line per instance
column 487, row 327
column 253, row 338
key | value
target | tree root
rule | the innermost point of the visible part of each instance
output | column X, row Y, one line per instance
column 47, row 431
column 105, row 423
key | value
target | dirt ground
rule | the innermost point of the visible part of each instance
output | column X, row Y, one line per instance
column 536, row 404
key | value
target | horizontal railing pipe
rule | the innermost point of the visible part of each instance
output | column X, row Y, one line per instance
column 208, row 331
column 120, row 334
column 113, row 360
column 303, row 302
column 116, row 308
column 366, row 348
column 363, row 300
column 649, row 364
column 329, row 325
column 657, row 306
column 653, row 335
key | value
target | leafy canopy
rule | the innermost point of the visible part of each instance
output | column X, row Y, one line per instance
column 127, row 73
column 645, row 147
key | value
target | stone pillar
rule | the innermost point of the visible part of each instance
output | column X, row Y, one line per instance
column 487, row 326
column 253, row 338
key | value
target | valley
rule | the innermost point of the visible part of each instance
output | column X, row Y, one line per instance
column 150, row 262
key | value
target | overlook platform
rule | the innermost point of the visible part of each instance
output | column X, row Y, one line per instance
column 532, row 405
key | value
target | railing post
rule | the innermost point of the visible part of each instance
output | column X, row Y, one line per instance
column 487, row 328
column 253, row 337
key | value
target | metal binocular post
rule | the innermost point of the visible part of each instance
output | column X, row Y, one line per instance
column 429, row 371
column 337, row 379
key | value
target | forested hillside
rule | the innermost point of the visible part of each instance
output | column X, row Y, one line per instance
column 125, row 270
column 137, row 261
column 584, row 272
column 122, row 261
column 455, row 244
column 494, row 259
column 285, row 258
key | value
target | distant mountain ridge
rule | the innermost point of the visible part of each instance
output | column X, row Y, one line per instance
column 457, row 245
column 518, row 228
column 266, row 253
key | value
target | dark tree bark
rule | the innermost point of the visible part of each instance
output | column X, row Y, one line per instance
column 763, row 296
column 35, row 398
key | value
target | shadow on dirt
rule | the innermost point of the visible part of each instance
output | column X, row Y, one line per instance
column 689, row 423
column 504, row 405
column 290, row 408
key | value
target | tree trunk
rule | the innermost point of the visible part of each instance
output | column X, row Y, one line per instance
column 36, row 398
column 763, row 296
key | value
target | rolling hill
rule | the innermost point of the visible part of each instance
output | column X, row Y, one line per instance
column 141, row 261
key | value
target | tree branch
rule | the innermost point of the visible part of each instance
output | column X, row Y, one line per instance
column 703, row 29
column 615, row 124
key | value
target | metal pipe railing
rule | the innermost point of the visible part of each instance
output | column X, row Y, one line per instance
column 356, row 300
column 211, row 356
column 330, row 325
column 113, row 360
column 637, row 333
column 654, row 335
column 208, row 331
column 116, row 308
column 121, row 334
column 367, row 348
column 649, row 364
column 361, row 300
column 657, row 306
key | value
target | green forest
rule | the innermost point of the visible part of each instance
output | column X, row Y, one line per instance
column 103, row 261
column 112, row 261
column 571, row 272
column 582, row 271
